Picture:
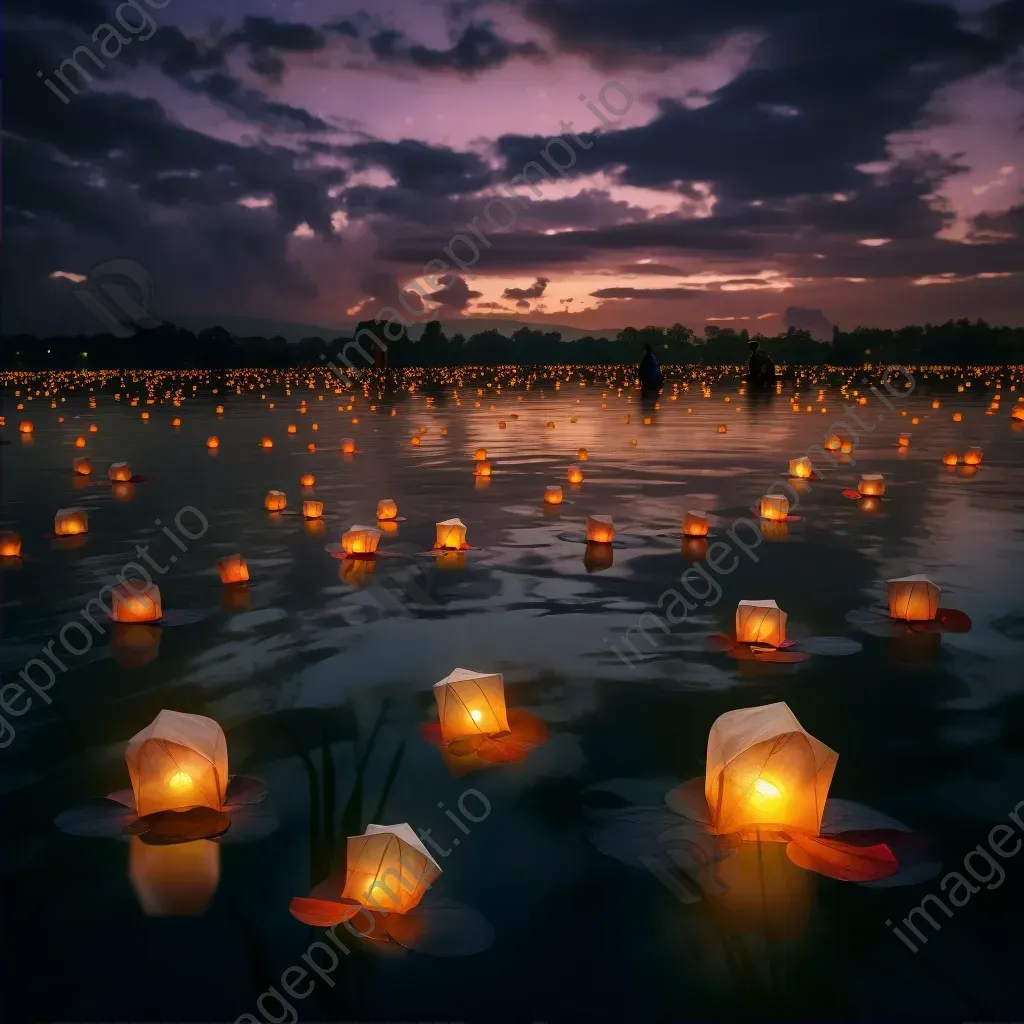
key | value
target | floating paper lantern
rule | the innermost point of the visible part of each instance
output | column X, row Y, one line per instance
column 766, row 772
column 957, row 417
column 600, row 530
column 802, row 468
column 213, row 442
column 70, row 521
column 176, row 762
column 176, row 422
column 695, row 524
column 722, row 428
column 575, row 474
column 582, row 455
column 387, row 509
column 348, row 446
column 135, row 601
column 275, row 501
column 219, row 410
column 360, row 540
column 79, row 442
column 388, row 869
column 312, row 509
column 950, row 459
column 451, row 535
column 292, row 428
column 553, row 495
column 480, row 454
column 760, row 622
column 307, row 480
column 904, row 440
column 483, row 469
column 233, row 569
column 267, row 442
column 10, row 545
column 1017, row 413
column 120, row 471
column 83, row 467
column 471, row 704
column 973, row 456
column 774, row 506
column 871, row 485
column 912, row 598
column 174, row 879
column 846, row 448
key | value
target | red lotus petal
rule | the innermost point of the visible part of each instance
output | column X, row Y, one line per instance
column 953, row 620
column 850, row 493
column 842, row 861
column 321, row 913
column 526, row 733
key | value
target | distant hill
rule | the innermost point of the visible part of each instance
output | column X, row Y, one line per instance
column 248, row 327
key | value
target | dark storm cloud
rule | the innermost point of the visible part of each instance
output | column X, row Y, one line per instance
column 647, row 293
column 478, row 48
column 535, row 291
column 455, row 293
column 267, row 34
column 654, row 269
column 431, row 170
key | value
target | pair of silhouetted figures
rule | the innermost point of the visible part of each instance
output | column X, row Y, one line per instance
column 761, row 370
column 649, row 371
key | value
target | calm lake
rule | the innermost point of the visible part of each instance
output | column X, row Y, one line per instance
column 321, row 676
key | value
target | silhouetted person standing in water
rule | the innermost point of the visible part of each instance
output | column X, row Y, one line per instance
column 649, row 372
column 761, row 371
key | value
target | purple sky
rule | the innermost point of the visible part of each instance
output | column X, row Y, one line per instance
column 305, row 161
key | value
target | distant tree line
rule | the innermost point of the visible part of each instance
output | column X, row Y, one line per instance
column 957, row 343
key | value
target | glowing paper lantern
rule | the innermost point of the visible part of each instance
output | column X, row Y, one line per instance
column 957, row 417
column 83, row 467
column 119, row 471
column 1017, row 413
column 600, row 530
column 10, row 545
column 213, row 442
column 774, row 506
column 801, row 468
column 695, row 524
column 70, row 521
column 553, row 495
column 575, row 474
column 582, row 455
column 176, row 762
column 722, row 428
column 307, row 480
column 973, row 456
column 766, row 772
column 26, row 426
column 912, row 598
column 348, row 446
column 387, row 509
column 275, row 501
column 480, row 454
column 267, row 442
column 833, row 443
column 451, row 535
column 904, row 440
column 312, row 509
column 760, row 622
column 483, row 469
column 471, row 704
column 79, row 442
column 360, row 540
column 233, row 569
column 871, row 485
column 136, row 601
column 950, row 459
column 176, row 422
column 388, row 869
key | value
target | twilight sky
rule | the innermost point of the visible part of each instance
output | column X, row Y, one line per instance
column 305, row 160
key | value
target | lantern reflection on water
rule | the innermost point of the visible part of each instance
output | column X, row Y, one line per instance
column 176, row 879
column 471, row 704
column 388, row 869
column 912, row 598
column 176, row 762
column 766, row 772
column 133, row 645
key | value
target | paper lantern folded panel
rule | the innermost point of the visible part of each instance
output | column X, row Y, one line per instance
column 312, row 509
column 801, row 468
column 582, row 454
column 575, row 474
column 360, row 540
column 600, row 530
column 553, row 495
column 70, row 521
column 10, row 545
column 774, row 506
column 387, row 509
column 904, row 440
column 233, row 569
column 695, row 523
column 275, row 501
column 135, row 601
column 912, row 598
column 760, row 622
column 950, row 459
column 451, row 535
column 348, row 446
column 973, row 456
column 471, row 704
column 388, row 869
column 120, row 472
column 176, row 762
column 871, row 485
column 83, row 467
column 766, row 772
column 26, row 426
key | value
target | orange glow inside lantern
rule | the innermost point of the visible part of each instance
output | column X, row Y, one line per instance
column 83, row 467
column 760, row 622
column 233, row 569
column 213, row 442
column 553, row 495
column 774, row 506
column 871, row 485
column 388, row 869
column 267, row 442
column 1017, row 413
column 348, row 446
column 471, row 704
column 483, row 469
column 451, row 535
column 136, row 601
column 801, row 468
column 973, row 456
column 10, row 545
column 292, row 428
column 275, row 501
column 575, row 474
column 120, row 472
column 176, row 422
column 25, row 426
column 950, row 459
column 360, row 540
column 70, row 521
column 582, row 455
column 695, row 523
column 174, row 879
column 600, row 530
column 766, row 772
column 722, row 428
column 79, row 442
column 307, row 480
column 176, row 762
column 480, row 454
column 957, row 417
column 912, row 598
column 312, row 509
column 904, row 440
column 387, row 509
